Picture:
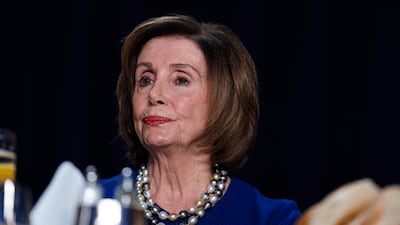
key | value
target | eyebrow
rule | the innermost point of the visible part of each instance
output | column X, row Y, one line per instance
column 172, row 65
column 146, row 64
column 184, row 65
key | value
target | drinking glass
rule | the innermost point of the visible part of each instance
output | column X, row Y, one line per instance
column 8, row 156
column 15, row 204
column 15, row 200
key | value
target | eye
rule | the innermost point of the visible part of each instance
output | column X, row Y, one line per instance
column 181, row 81
column 145, row 81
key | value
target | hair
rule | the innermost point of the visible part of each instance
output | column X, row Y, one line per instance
column 231, row 128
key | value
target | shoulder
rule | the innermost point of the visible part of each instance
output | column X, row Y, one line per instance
column 109, row 184
column 260, row 208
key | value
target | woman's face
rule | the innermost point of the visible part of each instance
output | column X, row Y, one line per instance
column 170, row 101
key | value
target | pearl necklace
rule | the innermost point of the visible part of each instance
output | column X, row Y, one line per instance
column 214, row 192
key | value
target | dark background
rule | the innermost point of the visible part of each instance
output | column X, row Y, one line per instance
column 328, row 72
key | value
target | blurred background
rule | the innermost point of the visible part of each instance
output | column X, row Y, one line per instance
column 329, row 74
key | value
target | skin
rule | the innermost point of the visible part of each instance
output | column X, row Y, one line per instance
column 170, row 103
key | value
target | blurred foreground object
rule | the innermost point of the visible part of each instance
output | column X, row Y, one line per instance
column 15, row 204
column 58, row 203
column 15, row 199
column 125, row 193
column 361, row 202
column 73, row 198
column 8, row 156
column 90, row 198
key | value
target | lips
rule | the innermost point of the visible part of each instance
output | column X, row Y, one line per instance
column 155, row 120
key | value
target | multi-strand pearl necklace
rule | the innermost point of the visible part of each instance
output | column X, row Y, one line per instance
column 152, row 211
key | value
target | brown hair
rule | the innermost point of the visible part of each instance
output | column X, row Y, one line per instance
column 234, row 108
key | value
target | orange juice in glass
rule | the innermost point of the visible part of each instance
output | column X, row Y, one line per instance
column 7, row 165
column 8, row 155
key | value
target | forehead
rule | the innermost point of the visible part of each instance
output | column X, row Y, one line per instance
column 173, row 49
column 171, row 41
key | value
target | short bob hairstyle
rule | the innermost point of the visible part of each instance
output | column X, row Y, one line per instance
column 232, row 122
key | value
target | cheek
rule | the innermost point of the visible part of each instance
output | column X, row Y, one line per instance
column 137, row 107
column 185, row 106
column 194, row 109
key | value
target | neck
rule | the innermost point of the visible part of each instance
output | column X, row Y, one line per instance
column 177, row 186
column 212, row 194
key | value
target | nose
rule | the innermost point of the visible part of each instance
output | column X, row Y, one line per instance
column 156, row 95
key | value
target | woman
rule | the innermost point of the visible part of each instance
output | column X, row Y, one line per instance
column 188, row 111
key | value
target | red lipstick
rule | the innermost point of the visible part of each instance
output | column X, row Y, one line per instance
column 155, row 120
